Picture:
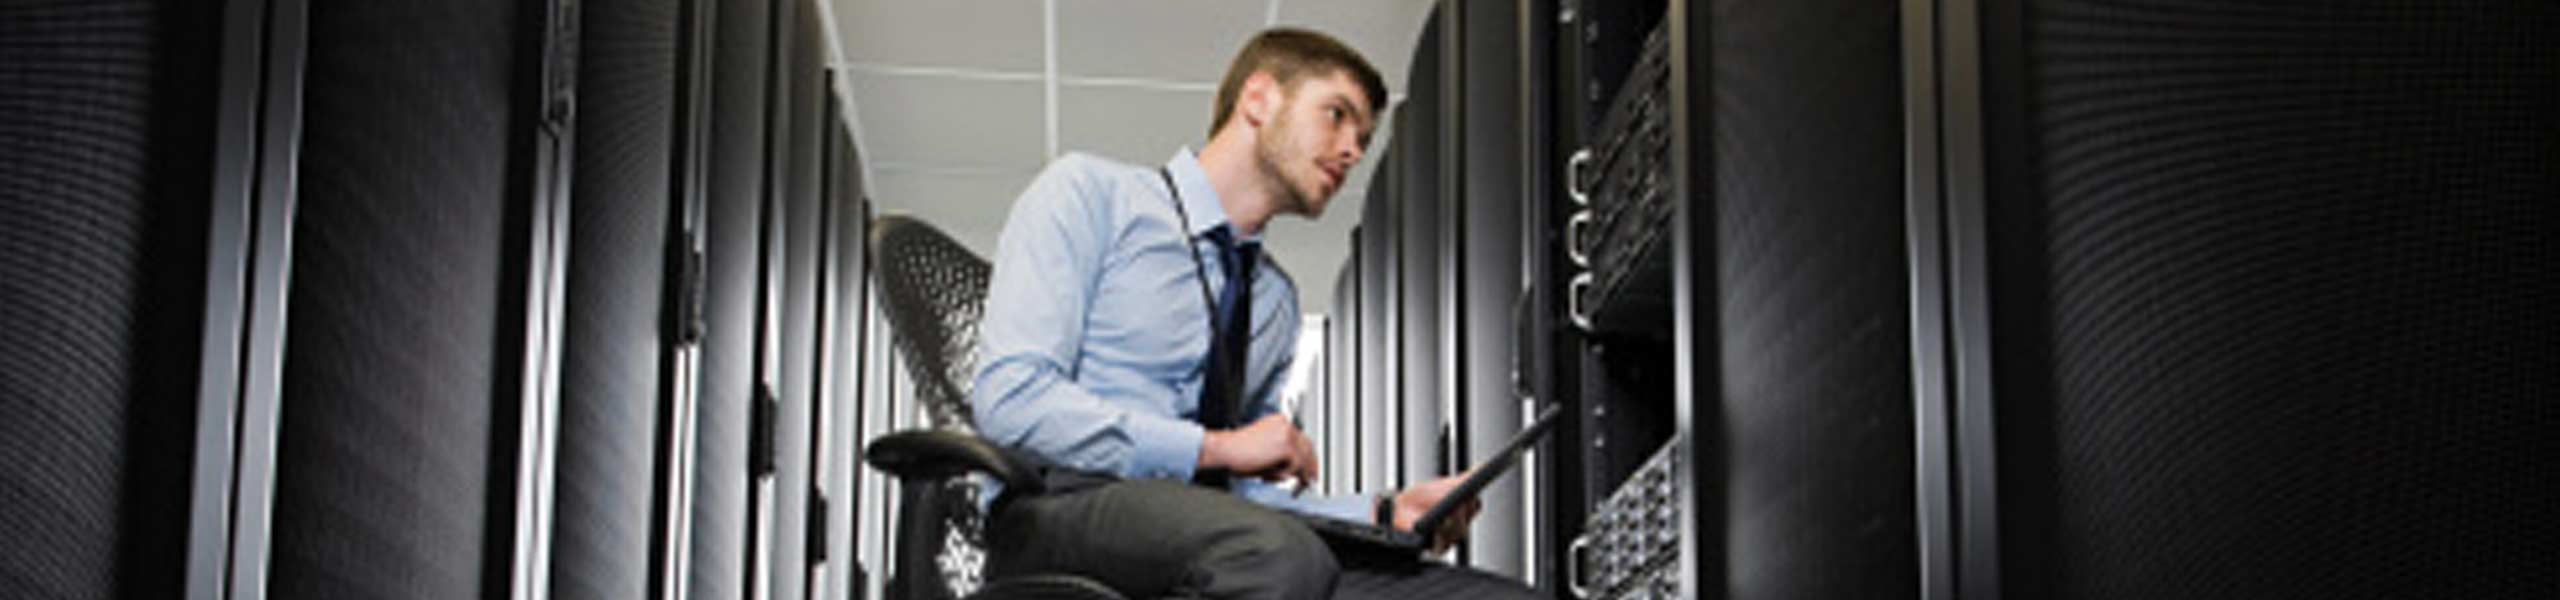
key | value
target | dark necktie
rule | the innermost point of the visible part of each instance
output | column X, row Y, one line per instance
column 1222, row 385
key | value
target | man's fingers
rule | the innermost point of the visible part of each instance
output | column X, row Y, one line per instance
column 1314, row 469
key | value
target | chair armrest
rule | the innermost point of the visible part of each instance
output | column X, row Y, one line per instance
column 943, row 454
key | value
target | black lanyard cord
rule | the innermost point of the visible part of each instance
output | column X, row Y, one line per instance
column 1198, row 267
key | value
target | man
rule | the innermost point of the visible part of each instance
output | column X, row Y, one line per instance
column 1134, row 329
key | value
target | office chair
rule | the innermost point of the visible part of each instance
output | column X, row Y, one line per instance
column 935, row 291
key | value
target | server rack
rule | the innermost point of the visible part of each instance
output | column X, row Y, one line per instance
column 134, row 183
column 1312, row 408
column 615, row 366
column 1421, row 271
column 733, row 383
column 838, row 496
column 1343, row 450
column 2187, row 273
column 801, row 261
column 1483, row 248
column 1380, row 450
column 1878, row 220
column 1627, row 382
column 684, row 323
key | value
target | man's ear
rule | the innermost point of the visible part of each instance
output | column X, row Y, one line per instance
column 1259, row 100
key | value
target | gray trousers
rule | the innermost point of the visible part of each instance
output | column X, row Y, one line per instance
column 1167, row 539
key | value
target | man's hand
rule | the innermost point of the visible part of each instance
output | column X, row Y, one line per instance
column 1271, row 448
column 1413, row 501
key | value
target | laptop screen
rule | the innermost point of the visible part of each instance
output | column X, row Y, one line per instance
column 1489, row 470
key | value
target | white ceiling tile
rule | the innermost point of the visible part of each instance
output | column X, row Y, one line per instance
column 951, row 102
column 1169, row 40
column 969, row 206
column 1143, row 127
column 1133, row 125
column 1382, row 30
column 951, row 121
column 967, row 34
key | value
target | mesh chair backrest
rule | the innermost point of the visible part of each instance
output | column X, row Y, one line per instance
column 936, row 290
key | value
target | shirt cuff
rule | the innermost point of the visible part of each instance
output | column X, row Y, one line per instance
column 1163, row 448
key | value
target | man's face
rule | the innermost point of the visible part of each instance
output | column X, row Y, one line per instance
column 1308, row 148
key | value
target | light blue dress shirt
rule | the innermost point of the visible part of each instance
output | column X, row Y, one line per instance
column 1095, row 335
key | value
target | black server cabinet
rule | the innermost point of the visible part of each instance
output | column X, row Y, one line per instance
column 2060, row 300
column 1608, row 341
column 1342, row 356
column 732, row 299
column 1741, row 182
column 613, row 337
column 1380, row 455
column 840, row 363
column 1422, row 267
column 1803, row 179
column 419, row 368
column 803, row 229
column 2233, row 319
column 123, row 156
column 1482, row 137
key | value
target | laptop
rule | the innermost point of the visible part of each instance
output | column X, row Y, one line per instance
column 1382, row 537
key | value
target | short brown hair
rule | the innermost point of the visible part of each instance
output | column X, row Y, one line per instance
column 1288, row 53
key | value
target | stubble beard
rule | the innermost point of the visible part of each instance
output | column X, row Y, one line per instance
column 1269, row 154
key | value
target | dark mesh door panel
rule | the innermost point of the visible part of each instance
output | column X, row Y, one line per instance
column 843, row 367
column 618, row 239
column 1377, row 323
column 1422, row 262
column 2277, row 308
column 802, row 223
column 104, row 114
column 1812, row 300
column 736, row 162
column 391, row 361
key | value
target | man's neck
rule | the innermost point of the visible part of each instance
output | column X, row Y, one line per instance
column 1242, row 189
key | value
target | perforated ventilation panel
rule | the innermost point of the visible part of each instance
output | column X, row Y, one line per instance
column 392, row 365
column 733, row 239
column 105, row 112
column 804, row 224
column 1811, row 294
column 2276, row 310
column 611, row 340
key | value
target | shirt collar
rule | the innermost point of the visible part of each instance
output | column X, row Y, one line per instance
column 1198, row 199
